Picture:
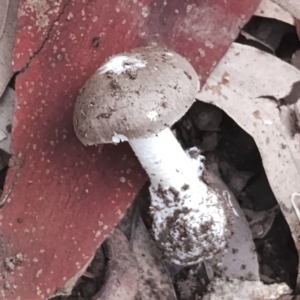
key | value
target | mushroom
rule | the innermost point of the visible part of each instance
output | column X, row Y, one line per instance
column 136, row 97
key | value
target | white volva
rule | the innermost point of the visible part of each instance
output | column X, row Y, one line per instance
column 189, row 219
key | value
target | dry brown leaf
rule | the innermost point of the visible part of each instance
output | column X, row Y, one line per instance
column 6, row 111
column 154, row 281
column 240, row 260
column 269, row 9
column 292, row 6
column 246, row 84
column 8, row 21
column 3, row 14
column 122, row 274
column 247, row 290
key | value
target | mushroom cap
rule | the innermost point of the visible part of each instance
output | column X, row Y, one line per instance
column 134, row 95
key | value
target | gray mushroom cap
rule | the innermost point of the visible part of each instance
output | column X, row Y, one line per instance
column 134, row 95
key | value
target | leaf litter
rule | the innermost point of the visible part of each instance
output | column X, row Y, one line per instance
column 250, row 263
column 262, row 266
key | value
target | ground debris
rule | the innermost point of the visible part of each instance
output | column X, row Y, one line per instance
column 12, row 261
column 261, row 222
column 121, row 275
column 154, row 282
column 247, row 290
column 186, row 288
column 7, row 102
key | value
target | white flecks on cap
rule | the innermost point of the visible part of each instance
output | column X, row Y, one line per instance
column 268, row 122
column 152, row 115
column 117, row 138
column 120, row 63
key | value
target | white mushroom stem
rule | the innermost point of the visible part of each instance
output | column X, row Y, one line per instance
column 164, row 160
column 189, row 220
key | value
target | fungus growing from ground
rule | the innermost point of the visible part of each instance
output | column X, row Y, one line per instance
column 136, row 97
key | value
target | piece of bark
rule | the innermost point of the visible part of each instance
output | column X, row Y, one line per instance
column 122, row 272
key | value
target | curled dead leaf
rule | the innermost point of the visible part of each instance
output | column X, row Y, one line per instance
column 270, row 9
column 8, row 21
column 122, row 274
column 254, row 98
column 292, row 6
